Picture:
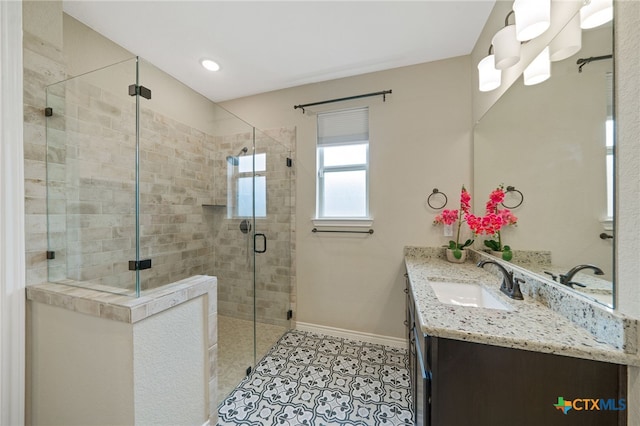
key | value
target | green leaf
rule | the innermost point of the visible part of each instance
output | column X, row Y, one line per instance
column 507, row 255
column 467, row 243
column 492, row 244
column 453, row 245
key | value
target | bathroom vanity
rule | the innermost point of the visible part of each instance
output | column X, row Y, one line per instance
column 514, row 363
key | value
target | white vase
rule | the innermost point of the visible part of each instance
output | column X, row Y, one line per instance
column 451, row 258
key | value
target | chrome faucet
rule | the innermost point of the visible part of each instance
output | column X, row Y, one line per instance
column 566, row 279
column 510, row 285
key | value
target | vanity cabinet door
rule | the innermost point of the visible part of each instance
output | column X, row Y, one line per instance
column 477, row 384
column 423, row 381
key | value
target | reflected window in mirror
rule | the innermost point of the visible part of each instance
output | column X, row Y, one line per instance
column 609, row 138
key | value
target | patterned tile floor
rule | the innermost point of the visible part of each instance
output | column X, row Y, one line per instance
column 316, row 380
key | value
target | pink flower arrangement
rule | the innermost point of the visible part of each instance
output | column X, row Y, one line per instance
column 449, row 217
column 493, row 221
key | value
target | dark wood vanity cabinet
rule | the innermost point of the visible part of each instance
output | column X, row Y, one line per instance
column 459, row 383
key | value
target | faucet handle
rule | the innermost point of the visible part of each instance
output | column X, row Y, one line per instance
column 517, row 294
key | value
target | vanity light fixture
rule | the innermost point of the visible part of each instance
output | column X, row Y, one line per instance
column 489, row 76
column 568, row 42
column 539, row 69
column 595, row 13
column 506, row 46
column 210, row 65
column 533, row 18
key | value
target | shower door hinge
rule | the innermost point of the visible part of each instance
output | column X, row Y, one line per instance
column 51, row 254
column 289, row 314
column 139, row 90
column 48, row 112
column 289, row 162
column 135, row 265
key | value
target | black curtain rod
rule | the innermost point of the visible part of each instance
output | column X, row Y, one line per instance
column 383, row 93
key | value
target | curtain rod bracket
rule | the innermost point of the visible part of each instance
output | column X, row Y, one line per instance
column 581, row 62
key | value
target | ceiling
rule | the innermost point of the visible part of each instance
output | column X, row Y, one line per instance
column 269, row 45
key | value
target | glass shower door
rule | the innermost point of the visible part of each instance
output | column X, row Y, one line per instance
column 272, row 214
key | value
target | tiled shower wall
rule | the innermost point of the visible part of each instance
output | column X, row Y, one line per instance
column 234, row 249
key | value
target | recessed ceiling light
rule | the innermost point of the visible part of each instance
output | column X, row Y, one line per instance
column 210, row 65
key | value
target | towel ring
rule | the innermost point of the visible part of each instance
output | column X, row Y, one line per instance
column 435, row 192
column 513, row 189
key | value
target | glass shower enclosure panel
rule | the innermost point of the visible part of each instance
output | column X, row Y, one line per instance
column 90, row 157
column 177, row 127
column 272, row 217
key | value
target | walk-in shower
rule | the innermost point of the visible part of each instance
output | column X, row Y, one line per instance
column 140, row 194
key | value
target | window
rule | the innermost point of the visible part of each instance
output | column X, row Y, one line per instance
column 343, row 164
column 609, row 141
column 240, row 200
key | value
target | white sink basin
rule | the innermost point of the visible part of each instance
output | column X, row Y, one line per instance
column 467, row 294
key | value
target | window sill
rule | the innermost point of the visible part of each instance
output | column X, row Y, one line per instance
column 343, row 222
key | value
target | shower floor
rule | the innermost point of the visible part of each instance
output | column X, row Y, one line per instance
column 235, row 349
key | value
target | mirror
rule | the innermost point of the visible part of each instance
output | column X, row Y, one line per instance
column 553, row 142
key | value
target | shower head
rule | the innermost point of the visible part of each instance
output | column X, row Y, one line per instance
column 234, row 160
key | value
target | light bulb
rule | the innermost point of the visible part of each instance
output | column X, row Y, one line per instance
column 210, row 65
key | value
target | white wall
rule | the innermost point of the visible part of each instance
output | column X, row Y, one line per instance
column 12, row 238
column 171, row 366
column 420, row 139
column 627, row 63
column 81, row 368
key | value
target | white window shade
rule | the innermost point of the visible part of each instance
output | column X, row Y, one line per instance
column 343, row 127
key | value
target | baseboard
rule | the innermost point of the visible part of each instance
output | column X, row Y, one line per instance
column 353, row 335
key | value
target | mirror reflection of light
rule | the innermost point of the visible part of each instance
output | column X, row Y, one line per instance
column 596, row 13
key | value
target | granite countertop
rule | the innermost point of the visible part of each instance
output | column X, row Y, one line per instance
column 530, row 325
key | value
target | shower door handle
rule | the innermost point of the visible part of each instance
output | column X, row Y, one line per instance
column 264, row 243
